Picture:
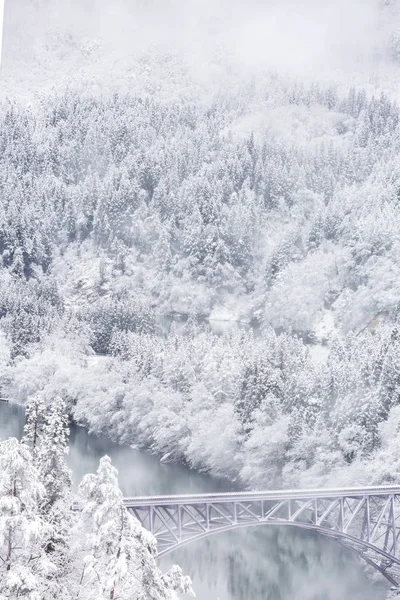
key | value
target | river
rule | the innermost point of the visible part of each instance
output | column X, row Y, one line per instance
column 265, row 563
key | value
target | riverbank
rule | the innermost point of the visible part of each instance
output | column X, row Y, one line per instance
column 228, row 405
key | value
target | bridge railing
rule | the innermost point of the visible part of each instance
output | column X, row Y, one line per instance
column 266, row 495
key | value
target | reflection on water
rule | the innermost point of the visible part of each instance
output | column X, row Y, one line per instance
column 273, row 563
column 140, row 473
column 11, row 421
column 263, row 563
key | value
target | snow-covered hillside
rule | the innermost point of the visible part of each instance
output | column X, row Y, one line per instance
column 210, row 198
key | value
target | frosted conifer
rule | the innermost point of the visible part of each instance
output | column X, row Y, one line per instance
column 25, row 567
column 120, row 562
column 34, row 422
column 56, row 478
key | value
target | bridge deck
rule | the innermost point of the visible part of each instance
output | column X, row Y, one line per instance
column 351, row 492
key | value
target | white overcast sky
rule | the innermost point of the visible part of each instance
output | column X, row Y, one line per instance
column 307, row 36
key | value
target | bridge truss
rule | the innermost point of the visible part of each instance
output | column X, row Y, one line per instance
column 365, row 520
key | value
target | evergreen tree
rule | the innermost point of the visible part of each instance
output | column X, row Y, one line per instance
column 52, row 453
column 120, row 558
column 56, row 478
column 34, row 415
column 25, row 567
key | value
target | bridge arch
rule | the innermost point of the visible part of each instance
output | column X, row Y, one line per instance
column 352, row 544
column 363, row 520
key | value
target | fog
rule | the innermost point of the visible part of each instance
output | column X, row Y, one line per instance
column 319, row 40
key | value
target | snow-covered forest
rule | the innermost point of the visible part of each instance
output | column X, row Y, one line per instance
column 199, row 258
column 244, row 289
column 211, row 273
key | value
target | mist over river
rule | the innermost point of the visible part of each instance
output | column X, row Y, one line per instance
column 255, row 564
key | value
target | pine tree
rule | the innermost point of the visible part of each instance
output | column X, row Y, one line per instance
column 25, row 567
column 33, row 429
column 56, row 478
column 120, row 560
column 53, row 450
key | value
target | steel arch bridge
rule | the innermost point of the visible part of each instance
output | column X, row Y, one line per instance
column 365, row 520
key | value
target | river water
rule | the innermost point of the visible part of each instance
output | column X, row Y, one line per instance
column 263, row 563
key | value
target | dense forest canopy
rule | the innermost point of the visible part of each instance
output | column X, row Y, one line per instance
column 209, row 272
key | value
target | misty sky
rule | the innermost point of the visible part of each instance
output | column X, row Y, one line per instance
column 310, row 37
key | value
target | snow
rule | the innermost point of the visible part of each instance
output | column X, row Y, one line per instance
column 167, row 186
column 1, row 28
column 319, row 353
column 325, row 327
